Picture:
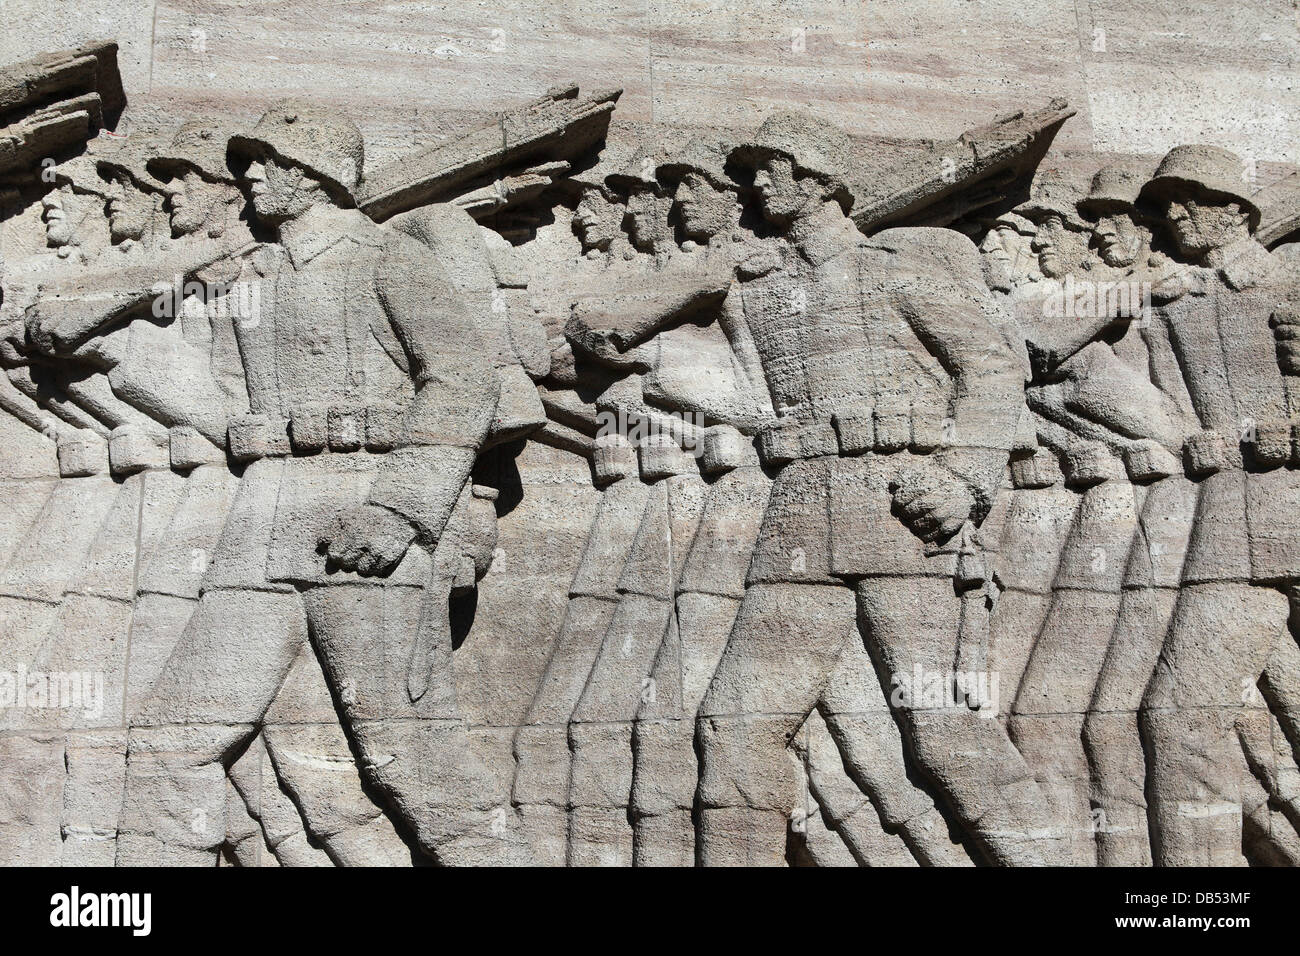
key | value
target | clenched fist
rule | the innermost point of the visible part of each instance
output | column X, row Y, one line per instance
column 367, row 539
column 932, row 501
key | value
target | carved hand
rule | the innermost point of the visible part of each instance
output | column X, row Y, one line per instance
column 367, row 539
column 45, row 332
column 605, row 345
column 932, row 501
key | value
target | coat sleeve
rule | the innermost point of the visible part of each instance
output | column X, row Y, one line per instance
column 456, row 388
column 955, row 316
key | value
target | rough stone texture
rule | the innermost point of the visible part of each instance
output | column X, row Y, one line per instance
column 661, row 435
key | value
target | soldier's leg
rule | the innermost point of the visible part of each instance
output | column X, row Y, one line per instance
column 782, row 648
column 841, row 807
column 541, row 784
column 1112, row 740
column 1281, row 679
column 1058, row 683
column 600, row 733
column 859, row 720
column 1272, row 763
column 311, row 757
column 417, row 754
column 283, row 833
column 207, row 702
column 1034, row 534
column 245, row 842
column 1217, row 647
column 540, row 789
column 665, row 767
column 1111, row 737
column 911, row 626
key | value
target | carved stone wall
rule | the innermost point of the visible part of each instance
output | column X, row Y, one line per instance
column 692, row 434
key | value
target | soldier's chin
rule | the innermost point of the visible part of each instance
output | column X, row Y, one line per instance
column 183, row 223
column 1188, row 243
column 121, row 229
column 266, row 211
column 697, row 229
column 774, row 214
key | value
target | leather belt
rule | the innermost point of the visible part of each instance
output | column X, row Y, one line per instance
column 309, row 431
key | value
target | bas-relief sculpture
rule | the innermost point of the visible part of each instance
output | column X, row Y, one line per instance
column 938, row 515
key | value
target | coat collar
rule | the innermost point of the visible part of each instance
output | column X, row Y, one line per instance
column 316, row 231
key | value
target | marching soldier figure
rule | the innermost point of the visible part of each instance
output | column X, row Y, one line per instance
column 896, row 397
column 371, row 395
column 1231, row 324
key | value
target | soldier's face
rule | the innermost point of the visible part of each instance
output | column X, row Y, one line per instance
column 56, row 212
column 1048, row 243
column 1118, row 238
column 129, row 209
column 279, row 192
column 647, row 219
column 1200, row 225
column 1006, row 256
column 596, row 220
column 191, row 200
column 705, row 212
column 780, row 195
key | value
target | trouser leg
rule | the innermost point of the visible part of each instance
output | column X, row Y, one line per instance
column 665, row 768
column 1112, row 739
column 1217, row 647
column 859, row 720
column 782, row 648
column 208, row 700
column 418, row 753
column 911, row 625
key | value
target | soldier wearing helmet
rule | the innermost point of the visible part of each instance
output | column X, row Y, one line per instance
column 135, row 197
column 1243, row 558
column 202, row 192
column 371, row 394
column 867, row 346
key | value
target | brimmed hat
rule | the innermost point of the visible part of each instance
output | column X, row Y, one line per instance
column 129, row 156
column 704, row 155
column 1210, row 170
column 328, row 146
column 1052, row 195
column 612, row 157
column 1013, row 221
column 199, row 145
column 82, row 175
column 639, row 170
column 1115, row 188
column 810, row 142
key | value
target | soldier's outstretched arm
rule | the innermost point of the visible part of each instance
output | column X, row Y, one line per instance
column 456, row 393
column 607, row 325
column 1105, row 389
column 69, row 314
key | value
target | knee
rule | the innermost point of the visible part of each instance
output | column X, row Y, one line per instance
column 744, row 762
column 193, row 746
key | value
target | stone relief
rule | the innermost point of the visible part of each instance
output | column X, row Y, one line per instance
column 574, row 493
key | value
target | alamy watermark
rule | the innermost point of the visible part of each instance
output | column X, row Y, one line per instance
column 1085, row 299
column 923, row 689
column 685, row 428
column 53, row 690
column 240, row 301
